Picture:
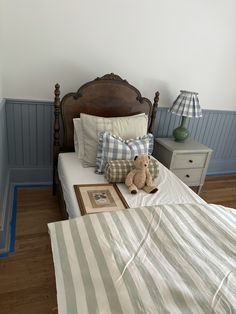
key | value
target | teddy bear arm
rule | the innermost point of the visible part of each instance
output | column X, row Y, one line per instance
column 148, row 178
column 129, row 178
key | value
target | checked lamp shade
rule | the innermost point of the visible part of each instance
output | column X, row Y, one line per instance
column 185, row 105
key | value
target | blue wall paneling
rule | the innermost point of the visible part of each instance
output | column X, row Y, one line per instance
column 4, row 174
column 29, row 131
column 216, row 129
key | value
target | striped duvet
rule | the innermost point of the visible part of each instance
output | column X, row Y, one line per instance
column 160, row 259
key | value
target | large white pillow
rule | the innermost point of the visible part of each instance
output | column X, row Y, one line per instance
column 91, row 126
column 78, row 142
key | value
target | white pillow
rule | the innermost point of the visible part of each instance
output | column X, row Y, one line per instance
column 91, row 126
column 78, row 142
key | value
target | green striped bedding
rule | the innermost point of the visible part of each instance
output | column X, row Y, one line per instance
column 159, row 259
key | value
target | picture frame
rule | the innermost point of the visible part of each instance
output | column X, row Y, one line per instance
column 96, row 198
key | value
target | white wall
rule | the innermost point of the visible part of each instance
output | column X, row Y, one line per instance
column 156, row 44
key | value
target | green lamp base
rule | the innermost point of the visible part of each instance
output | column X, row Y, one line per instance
column 181, row 133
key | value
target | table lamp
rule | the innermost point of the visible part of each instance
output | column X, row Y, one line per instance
column 185, row 105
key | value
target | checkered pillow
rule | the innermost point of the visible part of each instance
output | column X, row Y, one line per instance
column 117, row 170
column 112, row 147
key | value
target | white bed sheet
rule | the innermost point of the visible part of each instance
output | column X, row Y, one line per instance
column 171, row 190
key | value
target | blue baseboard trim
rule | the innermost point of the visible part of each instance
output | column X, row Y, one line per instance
column 34, row 185
column 223, row 173
column 31, row 175
column 224, row 166
column 3, row 255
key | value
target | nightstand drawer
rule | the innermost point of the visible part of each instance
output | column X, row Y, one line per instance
column 183, row 161
column 189, row 175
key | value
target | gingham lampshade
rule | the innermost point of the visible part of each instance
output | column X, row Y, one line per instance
column 187, row 105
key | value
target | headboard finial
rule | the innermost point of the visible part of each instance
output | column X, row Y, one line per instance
column 57, row 90
column 156, row 98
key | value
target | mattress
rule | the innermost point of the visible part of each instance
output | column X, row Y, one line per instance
column 171, row 190
column 158, row 259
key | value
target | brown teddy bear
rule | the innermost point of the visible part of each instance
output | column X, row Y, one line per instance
column 140, row 177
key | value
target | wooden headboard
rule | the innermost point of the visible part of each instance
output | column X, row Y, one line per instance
column 107, row 96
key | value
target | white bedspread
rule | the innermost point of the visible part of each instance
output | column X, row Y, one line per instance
column 171, row 189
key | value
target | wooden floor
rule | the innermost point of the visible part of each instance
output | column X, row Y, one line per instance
column 220, row 190
column 27, row 281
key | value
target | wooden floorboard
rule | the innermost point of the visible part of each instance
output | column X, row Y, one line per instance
column 27, row 280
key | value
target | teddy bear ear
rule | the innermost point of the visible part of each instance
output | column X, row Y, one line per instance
column 135, row 157
column 149, row 157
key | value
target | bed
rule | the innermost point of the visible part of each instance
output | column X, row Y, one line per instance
column 108, row 96
column 170, row 252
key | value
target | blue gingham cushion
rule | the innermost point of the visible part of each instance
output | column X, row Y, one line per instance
column 112, row 147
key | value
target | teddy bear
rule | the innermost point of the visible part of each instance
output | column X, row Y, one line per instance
column 140, row 177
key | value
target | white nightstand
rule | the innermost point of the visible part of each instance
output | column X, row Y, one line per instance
column 188, row 160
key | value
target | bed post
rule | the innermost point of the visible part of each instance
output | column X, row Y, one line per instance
column 154, row 112
column 56, row 133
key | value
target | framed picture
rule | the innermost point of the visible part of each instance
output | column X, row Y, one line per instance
column 95, row 198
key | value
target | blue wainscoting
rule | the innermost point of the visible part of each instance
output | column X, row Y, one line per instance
column 3, row 157
column 29, row 131
column 4, row 176
column 216, row 129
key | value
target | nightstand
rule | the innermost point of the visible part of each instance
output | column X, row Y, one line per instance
column 188, row 160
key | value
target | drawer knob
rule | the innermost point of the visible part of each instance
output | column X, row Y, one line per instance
column 190, row 160
column 187, row 175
